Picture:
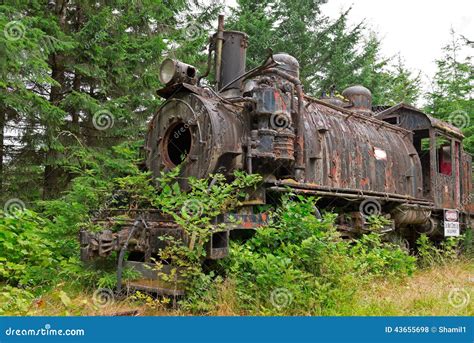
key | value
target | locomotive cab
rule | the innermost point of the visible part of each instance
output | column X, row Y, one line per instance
column 446, row 167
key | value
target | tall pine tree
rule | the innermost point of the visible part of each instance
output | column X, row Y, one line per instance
column 83, row 74
column 452, row 92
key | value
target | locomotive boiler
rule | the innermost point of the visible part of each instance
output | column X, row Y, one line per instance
column 357, row 158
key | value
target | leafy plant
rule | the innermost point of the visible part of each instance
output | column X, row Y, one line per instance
column 27, row 253
column 299, row 264
column 429, row 254
column 377, row 222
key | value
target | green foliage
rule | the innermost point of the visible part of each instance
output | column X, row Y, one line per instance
column 374, row 257
column 109, row 279
column 39, row 249
column 14, row 301
column 467, row 246
column 196, row 209
column 27, row 253
column 202, row 294
column 430, row 254
column 195, row 212
column 298, row 264
column 64, row 64
column 377, row 222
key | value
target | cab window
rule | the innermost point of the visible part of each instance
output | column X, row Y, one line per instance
column 443, row 148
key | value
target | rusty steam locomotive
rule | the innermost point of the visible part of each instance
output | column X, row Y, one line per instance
column 397, row 161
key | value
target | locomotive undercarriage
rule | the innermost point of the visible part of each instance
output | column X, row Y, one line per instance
column 138, row 237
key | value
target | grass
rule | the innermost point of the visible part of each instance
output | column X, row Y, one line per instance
column 426, row 293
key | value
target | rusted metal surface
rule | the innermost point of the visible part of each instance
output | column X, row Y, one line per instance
column 415, row 119
column 147, row 241
column 152, row 279
column 360, row 99
column 219, row 39
column 467, row 195
column 204, row 134
column 443, row 188
column 344, row 151
column 404, row 215
column 345, row 192
column 234, row 52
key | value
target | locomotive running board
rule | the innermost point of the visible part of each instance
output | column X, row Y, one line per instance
column 297, row 187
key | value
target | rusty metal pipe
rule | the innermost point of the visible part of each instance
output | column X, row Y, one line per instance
column 282, row 74
column 219, row 43
column 209, row 60
column 299, row 140
column 343, row 191
column 341, row 195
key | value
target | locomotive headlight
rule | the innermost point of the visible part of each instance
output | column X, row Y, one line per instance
column 167, row 71
column 174, row 71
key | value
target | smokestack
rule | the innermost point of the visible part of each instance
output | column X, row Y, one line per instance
column 234, row 53
column 219, row 38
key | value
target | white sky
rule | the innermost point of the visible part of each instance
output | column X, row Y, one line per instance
column 417, row 29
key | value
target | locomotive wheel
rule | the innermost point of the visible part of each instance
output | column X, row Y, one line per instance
column 398, row 239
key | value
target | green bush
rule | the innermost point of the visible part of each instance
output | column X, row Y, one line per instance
column 298, row 264
column 15, row 301
column 378, row 258
column 27, row 253
column 430, row 254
